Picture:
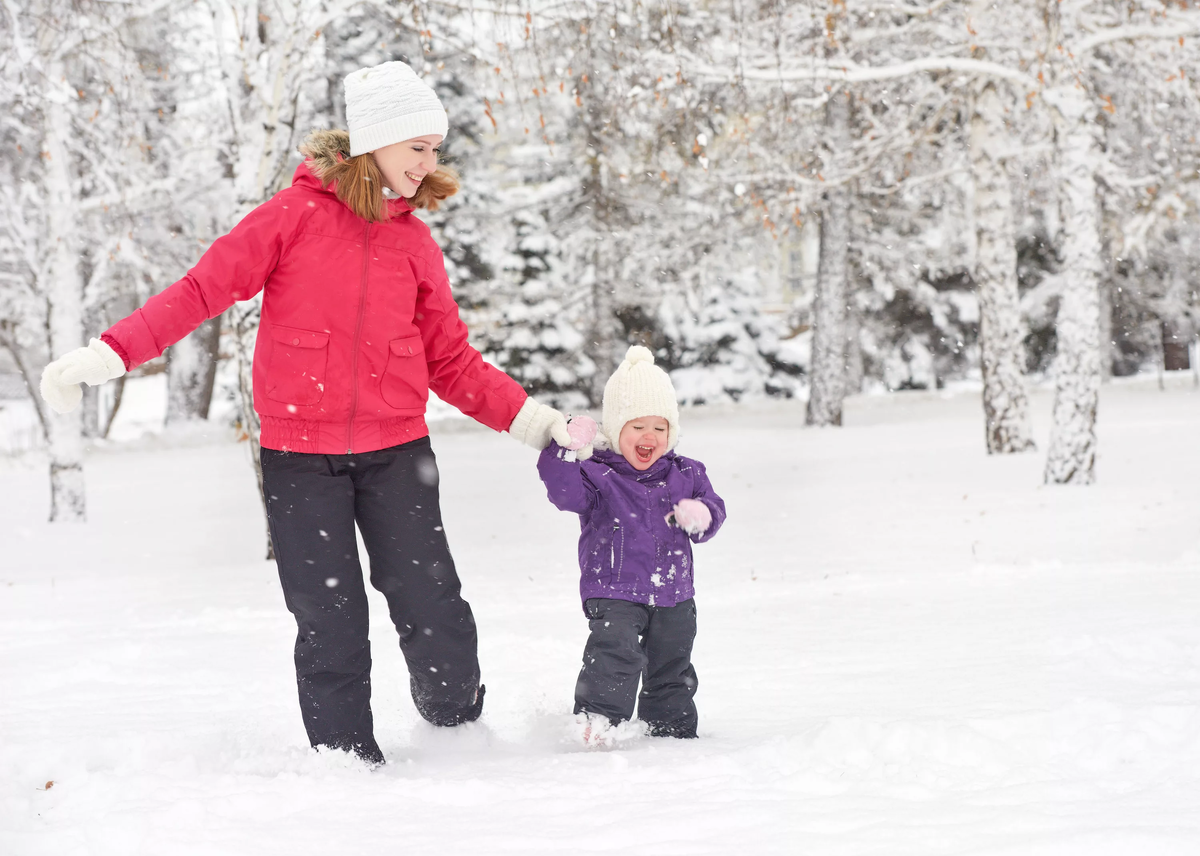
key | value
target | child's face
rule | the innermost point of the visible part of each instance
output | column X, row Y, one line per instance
column 643, row 441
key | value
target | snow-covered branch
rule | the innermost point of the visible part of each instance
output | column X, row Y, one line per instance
column 1178, row 29
column 911, row 11
column 852, row 73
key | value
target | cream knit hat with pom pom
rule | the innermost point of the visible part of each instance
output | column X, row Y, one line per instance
column 388, row 104
column 639, row 388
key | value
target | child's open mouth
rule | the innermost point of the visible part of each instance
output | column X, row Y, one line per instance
column 644, row 452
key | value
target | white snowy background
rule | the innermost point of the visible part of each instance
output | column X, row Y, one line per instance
column 888, row 215
column 906, row 647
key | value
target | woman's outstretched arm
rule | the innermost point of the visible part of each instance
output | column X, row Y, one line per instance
column 234, row 268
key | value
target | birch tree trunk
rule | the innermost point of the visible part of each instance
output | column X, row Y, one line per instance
column 191, row 372
column 602, row 343
column 245, row 326
column 1005, row 405
column 1108, row 344
column 266, row 61
column 64, row 300
column 1177, row 330
column 1072, row 454
column 827, row 381
column 603, row 346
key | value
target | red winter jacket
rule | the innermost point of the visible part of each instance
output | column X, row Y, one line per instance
column 358, row 324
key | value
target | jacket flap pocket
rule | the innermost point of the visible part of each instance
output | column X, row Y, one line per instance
column 299, row 338
column 409, row 346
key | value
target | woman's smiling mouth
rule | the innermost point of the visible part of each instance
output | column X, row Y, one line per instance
column 414, row 178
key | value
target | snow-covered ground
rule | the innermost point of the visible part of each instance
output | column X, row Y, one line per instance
column 906, row 647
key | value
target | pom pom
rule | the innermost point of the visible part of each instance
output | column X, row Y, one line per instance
column 637, row 354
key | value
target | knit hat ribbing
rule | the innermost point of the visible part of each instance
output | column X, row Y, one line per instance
column 639, row 388
column 388, row 104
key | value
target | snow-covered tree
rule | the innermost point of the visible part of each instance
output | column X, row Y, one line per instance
column 270, row 54
column 827, row 378
column 710, row 336
column 993, row 111
column 1075, row 30
column 74, row 171
column 607, row 132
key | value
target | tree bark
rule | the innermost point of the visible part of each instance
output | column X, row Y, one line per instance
column 191, row 372
column 827, row 377
column 118, row 393
column 1005, row 405
column 603, row 342
column 90, row 407
column 1176, row 342
column 1177, row 330
column 855, row 370
column 1072, row 455
column 245, row 319
column 1108, row 345
column 603, row 346
column 64, row 308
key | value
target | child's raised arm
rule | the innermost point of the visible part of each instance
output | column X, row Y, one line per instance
column 566, row 485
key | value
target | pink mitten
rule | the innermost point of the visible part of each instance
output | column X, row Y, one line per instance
column 692, row 516
column 582, row 430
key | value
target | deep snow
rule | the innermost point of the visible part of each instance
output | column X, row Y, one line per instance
column 906, row 647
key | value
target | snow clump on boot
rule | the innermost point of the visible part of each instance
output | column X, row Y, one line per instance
column 593, row 731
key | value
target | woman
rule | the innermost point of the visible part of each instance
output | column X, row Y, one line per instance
column 358, row 324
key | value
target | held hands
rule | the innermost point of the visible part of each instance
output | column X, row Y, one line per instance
column 92, row 365
column 536, row 425
column 692, row 516
column 583, row 431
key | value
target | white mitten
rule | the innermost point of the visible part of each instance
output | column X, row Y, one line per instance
column 92, row 365
column 537, row 424
column 692, row 516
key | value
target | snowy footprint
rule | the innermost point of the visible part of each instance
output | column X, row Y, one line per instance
column 469, row 739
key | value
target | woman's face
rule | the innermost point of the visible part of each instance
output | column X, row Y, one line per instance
column 404, row 165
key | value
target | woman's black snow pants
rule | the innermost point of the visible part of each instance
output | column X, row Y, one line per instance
column 313, row 503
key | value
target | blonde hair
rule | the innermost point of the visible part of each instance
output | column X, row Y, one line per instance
column 360, row 186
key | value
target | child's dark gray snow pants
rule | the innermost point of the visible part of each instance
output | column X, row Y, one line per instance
column 631, row 641
column 313, row 503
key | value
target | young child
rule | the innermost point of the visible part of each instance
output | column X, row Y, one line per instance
column 640, row 507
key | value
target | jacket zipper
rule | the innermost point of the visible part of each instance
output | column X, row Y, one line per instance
column 616, row 568
column 362, row 305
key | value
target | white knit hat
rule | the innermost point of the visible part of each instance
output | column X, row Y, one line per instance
column 388, row 104
column 639, row 388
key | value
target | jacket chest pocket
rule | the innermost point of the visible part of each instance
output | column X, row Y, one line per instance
column 296, row 372
column 405, row 381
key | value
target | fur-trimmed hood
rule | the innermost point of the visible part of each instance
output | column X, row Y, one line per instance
column 326, row 149
column 323, row 146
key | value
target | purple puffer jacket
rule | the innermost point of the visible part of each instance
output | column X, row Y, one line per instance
column 627, row 549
